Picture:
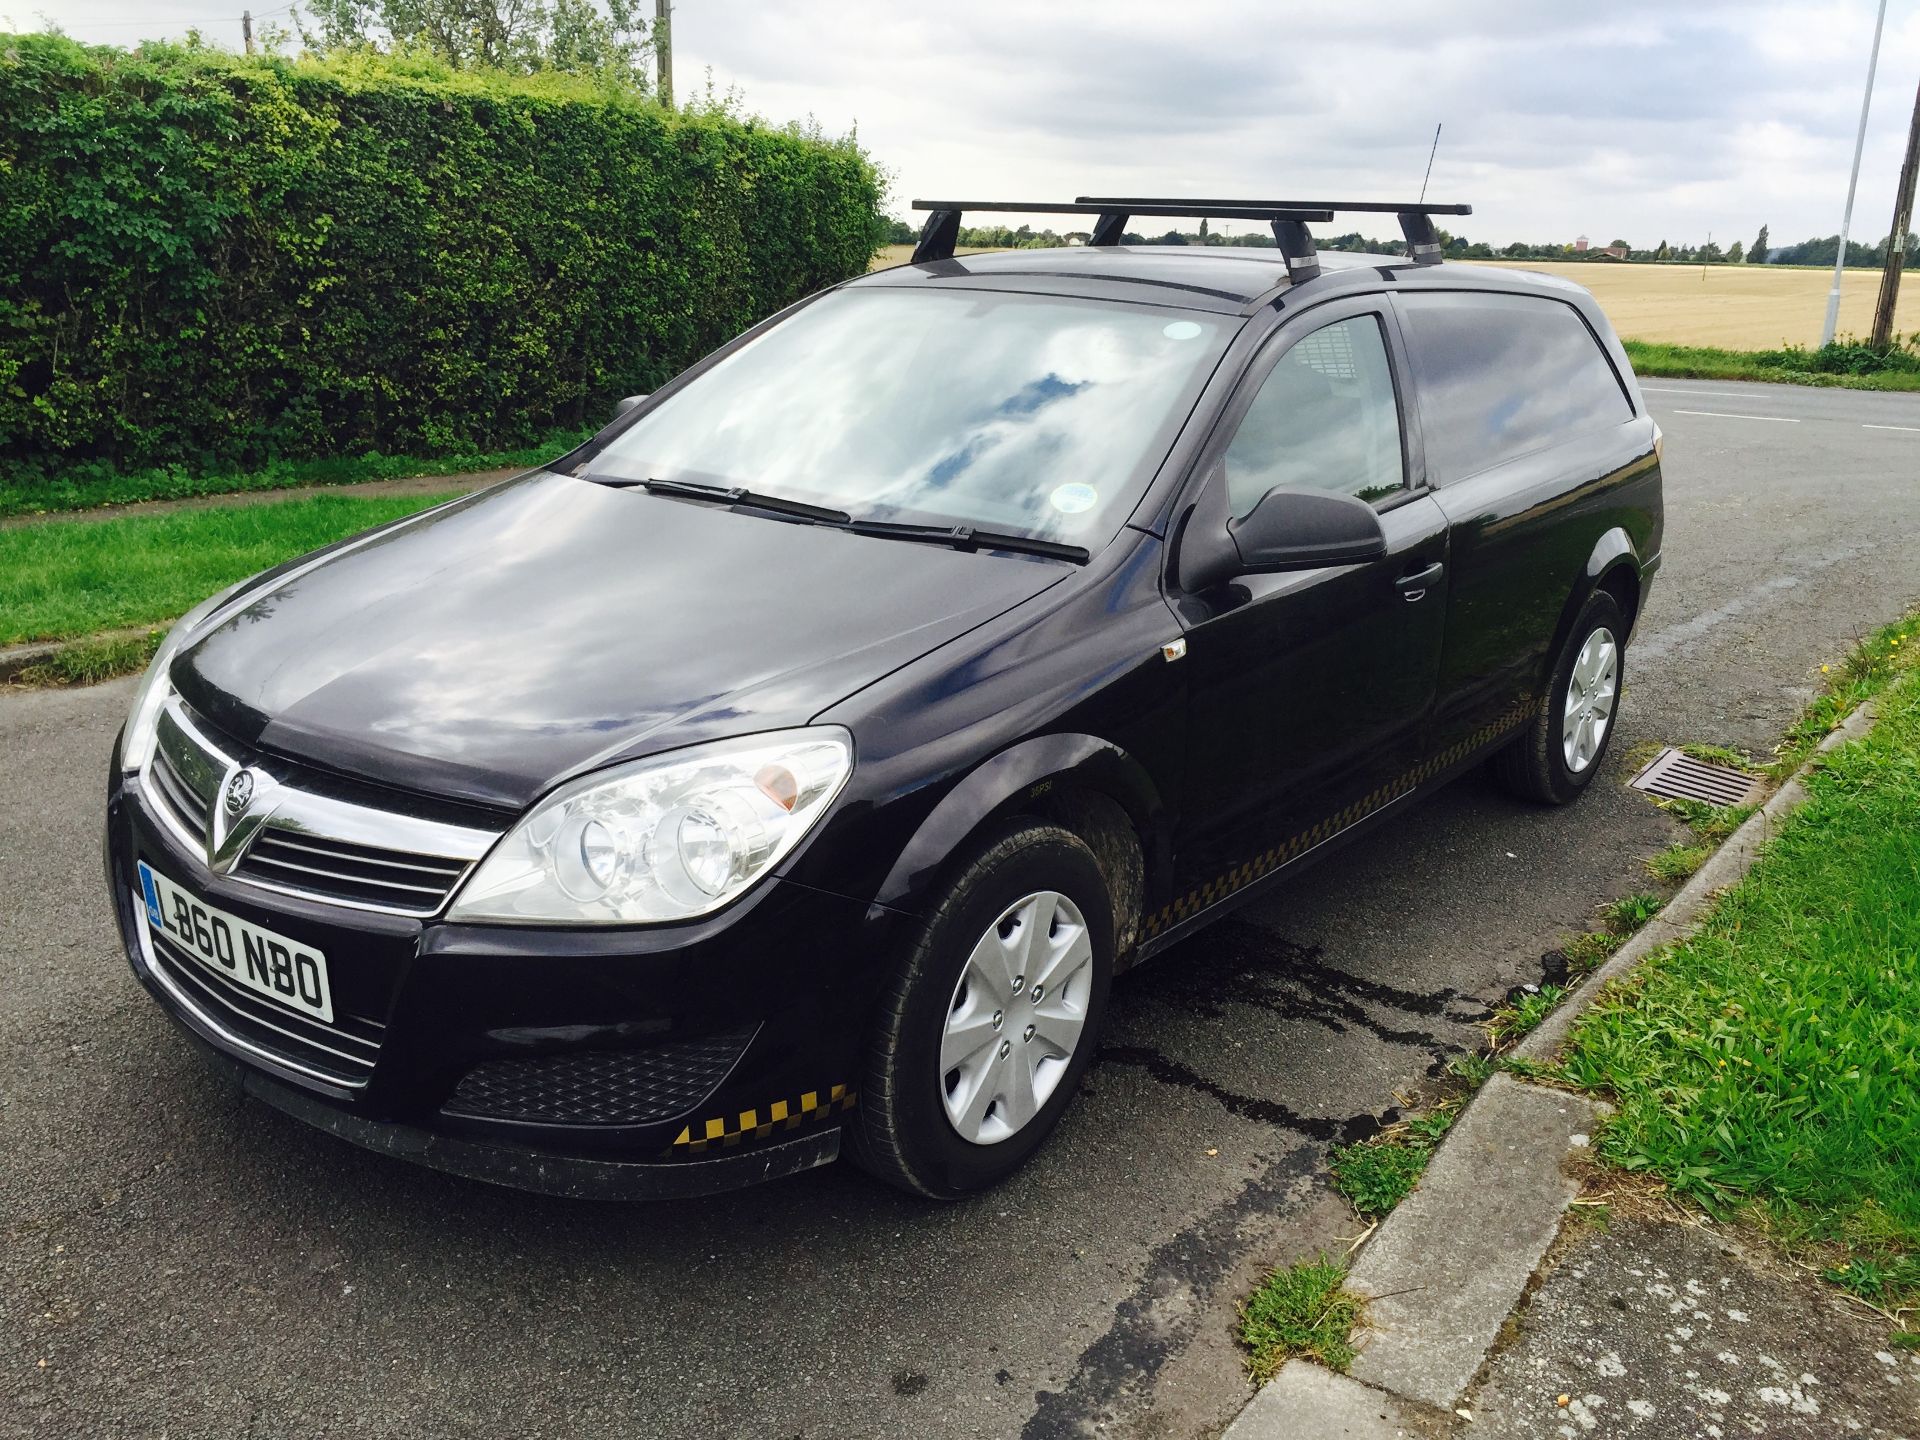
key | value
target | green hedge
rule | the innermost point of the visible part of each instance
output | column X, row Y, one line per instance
column 215, row 261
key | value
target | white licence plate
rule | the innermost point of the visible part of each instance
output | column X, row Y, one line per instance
column 283, row 970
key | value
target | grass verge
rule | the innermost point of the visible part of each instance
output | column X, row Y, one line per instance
column 62, row 579
column 88, row 487
column 1301, row 1310
column 1788, row 367
column 1770, row 1064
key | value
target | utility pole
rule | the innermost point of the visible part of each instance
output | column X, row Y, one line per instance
column 663, row 47
column 1846, row 217
column 246, row 29
column 1897, row 237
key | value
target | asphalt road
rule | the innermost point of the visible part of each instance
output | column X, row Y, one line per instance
column 175, row 1262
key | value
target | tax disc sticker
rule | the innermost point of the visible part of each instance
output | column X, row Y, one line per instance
column 1072, row 499
column 1181, row 330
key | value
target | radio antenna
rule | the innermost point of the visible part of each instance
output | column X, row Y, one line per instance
column 1430, row 154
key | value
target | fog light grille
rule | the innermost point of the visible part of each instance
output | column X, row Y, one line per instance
column 600, row 1087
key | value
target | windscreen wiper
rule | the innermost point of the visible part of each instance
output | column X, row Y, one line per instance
column 738, row 495
column 966, row 537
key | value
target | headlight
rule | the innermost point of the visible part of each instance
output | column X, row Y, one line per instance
column 136, row 749
column 668, row 838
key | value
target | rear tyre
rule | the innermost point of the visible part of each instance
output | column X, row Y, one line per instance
column 1558, row 755
column 991, row 1020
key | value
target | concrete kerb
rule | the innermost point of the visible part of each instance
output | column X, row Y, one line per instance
column 1446, row 1268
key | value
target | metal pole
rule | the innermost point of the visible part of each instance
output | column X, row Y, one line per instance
column 1897, row 237
column 1846, row 218
column 663, row 46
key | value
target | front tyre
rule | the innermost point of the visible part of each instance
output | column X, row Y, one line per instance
column 992, row 1019
column 1560, row 752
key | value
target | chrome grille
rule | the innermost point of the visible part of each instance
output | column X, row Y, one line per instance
column 343, row 1052
column 339, row 869
column 315, row 840
column 186, row 809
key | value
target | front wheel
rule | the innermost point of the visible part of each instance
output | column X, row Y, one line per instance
column 1558, row 755
column 991, row 1020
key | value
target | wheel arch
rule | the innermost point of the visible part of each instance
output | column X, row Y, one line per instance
column 1613, row 565
column 1080, row 782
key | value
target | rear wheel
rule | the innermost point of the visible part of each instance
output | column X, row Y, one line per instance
column 991, row 1020
column 1560, row 752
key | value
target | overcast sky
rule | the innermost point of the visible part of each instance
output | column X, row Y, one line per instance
column 1644, row 120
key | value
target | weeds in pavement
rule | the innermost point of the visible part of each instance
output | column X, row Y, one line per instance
column 1718, row 755
column 1588, row 952
column 1677, row 862
column 1522, row 1014
column 1630, row 912
column 1377, row 1174
column 88, row 662
column 1301, row 1310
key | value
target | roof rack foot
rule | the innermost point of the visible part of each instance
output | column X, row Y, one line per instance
column 1109, row 229
column 1296, row 248
column 1423, row 241
column 937, row 237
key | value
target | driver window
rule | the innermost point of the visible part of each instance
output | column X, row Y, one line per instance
column 1325, row 419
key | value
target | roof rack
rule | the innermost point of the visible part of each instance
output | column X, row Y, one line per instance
column 1289, row 219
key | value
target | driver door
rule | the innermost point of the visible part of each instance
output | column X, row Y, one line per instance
column 1310, row 690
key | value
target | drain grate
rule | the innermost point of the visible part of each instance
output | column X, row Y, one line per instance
column 1675, row 775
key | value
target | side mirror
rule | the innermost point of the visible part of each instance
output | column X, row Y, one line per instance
column 1288, row 530
column 627, row 404
column 1304, row 529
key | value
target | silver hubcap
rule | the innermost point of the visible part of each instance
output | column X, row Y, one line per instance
column 1016, row 1017
column 1591, row 692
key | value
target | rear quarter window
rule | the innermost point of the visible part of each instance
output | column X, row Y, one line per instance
column 1500, row 376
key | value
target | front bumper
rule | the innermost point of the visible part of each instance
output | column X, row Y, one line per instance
column 643, row 1062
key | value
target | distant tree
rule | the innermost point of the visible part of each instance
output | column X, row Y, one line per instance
column 596, row 37
column 1757, row 254
column 899, row 232
column 1203, row 229
column 1662, row 252
column 1735, row 254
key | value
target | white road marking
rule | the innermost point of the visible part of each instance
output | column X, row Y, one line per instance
column 1724, row 415
column 1910, row 429
column 1677, row 390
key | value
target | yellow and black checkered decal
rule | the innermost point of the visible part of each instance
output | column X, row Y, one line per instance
column 722, row 1131
column 1244, row 874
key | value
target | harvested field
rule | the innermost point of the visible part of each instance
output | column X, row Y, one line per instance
column 1735, row 307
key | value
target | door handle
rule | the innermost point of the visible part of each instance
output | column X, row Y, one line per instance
column 1415, row 584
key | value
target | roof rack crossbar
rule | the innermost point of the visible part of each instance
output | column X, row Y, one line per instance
column 1416, row 218
column 1209, row 205
column 941, row 231
column 1289, row 219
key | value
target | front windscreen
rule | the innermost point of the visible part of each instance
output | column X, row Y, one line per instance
column 1028, row 413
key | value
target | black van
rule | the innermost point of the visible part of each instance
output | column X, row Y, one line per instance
column 795, row 763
